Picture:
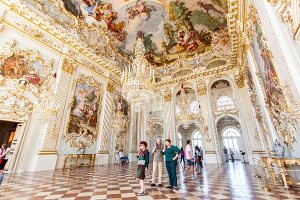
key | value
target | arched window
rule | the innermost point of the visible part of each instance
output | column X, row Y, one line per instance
column 180, row 140
column 224, row 103
column 230, row 138
column 197, row 139
column 194, row 107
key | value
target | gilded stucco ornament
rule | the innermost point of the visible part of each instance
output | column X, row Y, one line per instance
column 110, row 87
column 68, row 66
column 168, row 96
column 85, row 108
column 201, row 88
column 27, row 84
column 288, row 10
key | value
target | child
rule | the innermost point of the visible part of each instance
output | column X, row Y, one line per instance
column 143, row 162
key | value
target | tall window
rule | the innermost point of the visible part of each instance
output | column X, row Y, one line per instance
column 194, row 107
column 230, row 138
column 224, row 103
column 197, row 139
column 179, row 140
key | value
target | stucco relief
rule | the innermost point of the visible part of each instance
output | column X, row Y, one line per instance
column 27, row 83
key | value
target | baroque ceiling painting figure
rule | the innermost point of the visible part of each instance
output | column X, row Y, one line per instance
column 179, row 29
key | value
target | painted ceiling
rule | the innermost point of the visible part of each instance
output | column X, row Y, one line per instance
column 171, row 29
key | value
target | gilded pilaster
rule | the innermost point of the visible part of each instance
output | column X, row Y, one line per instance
column 50, row 141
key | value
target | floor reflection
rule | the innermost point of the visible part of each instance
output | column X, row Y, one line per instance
column 227, row 181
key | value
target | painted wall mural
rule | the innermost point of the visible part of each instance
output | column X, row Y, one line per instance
column 82, row 125
column 170, row 29
column 265, row 65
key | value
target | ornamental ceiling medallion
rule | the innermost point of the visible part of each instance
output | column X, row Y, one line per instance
column 170, row 29
column 82, row 126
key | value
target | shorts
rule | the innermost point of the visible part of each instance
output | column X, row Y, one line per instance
column 190, row 163
column 141, row 172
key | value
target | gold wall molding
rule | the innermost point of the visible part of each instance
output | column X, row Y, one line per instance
column 210, row 152
column 47, row 153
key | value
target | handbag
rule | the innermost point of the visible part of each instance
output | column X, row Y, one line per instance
column 141, row 162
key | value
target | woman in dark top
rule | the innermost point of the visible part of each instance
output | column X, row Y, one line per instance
column 143, row 162
column 171, row 154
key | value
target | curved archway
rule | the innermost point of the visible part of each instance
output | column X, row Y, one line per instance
column 230, row 136
column 197, row 138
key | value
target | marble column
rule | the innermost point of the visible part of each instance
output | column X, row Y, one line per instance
column 247, row 120
column 169, row 118
column 212, row 146
column 133, row 136
column 105, row 132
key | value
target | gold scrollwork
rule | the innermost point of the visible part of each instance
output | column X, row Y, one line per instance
column 168, row 96
column 27, row 83
column 68, row 66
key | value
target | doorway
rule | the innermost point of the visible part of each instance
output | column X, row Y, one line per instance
column 231, row 138
column 7, row 132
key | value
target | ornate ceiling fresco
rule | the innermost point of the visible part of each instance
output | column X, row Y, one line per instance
column 170, row 29
column 181, row 37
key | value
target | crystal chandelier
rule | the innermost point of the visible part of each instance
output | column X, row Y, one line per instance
column 138, row 79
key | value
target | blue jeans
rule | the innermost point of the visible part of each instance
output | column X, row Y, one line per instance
column 171, row 168
column 1, row 178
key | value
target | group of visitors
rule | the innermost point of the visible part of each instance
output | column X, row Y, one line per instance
column 171, row 154
column 197, row 157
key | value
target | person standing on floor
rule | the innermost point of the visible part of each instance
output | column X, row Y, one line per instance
column 231, row 154
column 157, row 162
column 171, row 153
column 225, row 150
column 189, row 157
column 182, row 156
column 143, row 162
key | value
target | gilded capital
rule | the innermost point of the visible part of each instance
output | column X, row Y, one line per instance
column 68, row 66
column 240, row 80
column 201, row 89
column 110, row 87
column 168, row 96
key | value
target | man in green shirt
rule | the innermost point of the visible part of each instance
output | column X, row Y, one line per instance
column 171, row 153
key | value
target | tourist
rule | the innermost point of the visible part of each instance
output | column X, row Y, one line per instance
column 225, row 150
column 182, row 156
column 189, row 157
column 171, row 153
column 200, row 156
column 124, row 159
column 196, row 157
column 231, row 154
column 157, row 163
column 143, row 162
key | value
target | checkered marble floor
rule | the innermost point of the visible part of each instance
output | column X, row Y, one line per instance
column 229, row 181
